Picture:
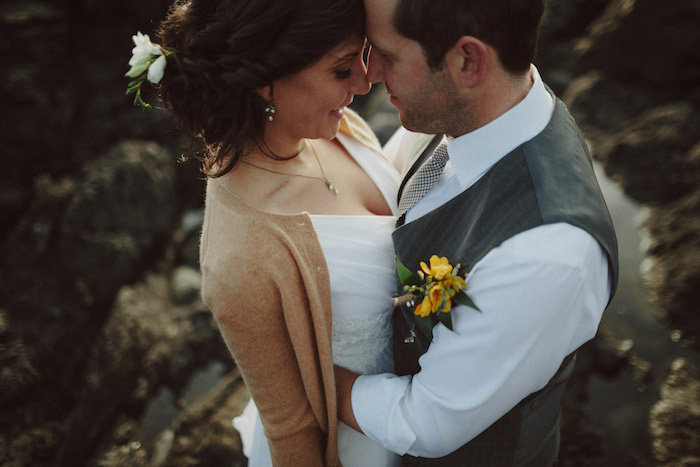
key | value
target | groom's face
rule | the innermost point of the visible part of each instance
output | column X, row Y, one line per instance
column 421, row 96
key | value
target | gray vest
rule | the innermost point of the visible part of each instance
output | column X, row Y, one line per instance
column 548, row 179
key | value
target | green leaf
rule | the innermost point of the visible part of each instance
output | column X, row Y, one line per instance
column 405, row 275
column 133, row 86
column 463, row 299
column 446, row 319
column 425, row 326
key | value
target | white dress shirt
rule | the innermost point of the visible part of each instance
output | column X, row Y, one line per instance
column 541, row 295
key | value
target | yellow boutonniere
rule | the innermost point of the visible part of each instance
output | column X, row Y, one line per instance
column 434, row 287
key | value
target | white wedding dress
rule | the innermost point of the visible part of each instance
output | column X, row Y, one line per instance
column 360, row 258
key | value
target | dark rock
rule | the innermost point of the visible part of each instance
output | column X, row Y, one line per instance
column 590, row 97
column 636, row 41
column 567, row 19
column 675, row 419
column 652, row 156
column 203, row 434
column 187, row 238
column 121, row 215
column 671, row 273
column 186, row 284
column 148, row 341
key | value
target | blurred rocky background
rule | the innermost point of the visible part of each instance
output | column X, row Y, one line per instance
column 108, row 356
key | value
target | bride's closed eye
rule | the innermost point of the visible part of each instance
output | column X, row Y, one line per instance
column 343, row 74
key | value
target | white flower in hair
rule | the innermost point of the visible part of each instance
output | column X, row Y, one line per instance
column 145, row 56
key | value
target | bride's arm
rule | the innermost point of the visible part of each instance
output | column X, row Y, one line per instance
column 344, row 380
column 254, row 329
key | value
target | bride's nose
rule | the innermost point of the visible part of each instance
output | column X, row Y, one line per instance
column 360, row 84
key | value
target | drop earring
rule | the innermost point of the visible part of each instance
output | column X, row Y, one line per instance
column 270, row 111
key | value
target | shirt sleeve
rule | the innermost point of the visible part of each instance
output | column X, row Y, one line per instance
column 541, row 295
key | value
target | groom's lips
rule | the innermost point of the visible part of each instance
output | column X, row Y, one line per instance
column 392, row 98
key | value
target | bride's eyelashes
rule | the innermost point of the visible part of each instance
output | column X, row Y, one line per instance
column 343, row 74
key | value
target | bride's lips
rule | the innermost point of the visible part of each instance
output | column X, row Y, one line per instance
column 338, row 113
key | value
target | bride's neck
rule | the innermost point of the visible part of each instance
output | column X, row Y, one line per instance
column 276, row 147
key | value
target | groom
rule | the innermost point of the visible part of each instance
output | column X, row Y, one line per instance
column 515, row 201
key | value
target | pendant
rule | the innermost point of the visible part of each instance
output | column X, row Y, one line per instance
column 330, row 186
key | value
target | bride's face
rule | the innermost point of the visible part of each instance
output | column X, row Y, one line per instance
column 310, row 103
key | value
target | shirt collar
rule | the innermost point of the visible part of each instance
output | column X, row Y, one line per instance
column 474, row 153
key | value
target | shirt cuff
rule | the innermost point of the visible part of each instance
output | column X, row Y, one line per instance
column 377, row 403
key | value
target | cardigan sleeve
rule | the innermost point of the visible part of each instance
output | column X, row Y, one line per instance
column 251, row 321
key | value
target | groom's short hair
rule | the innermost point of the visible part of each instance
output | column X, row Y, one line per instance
column 509, row 26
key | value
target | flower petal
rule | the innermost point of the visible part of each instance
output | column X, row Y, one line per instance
column 458, row 283
column 447, row 306
column 423, row 309
column 436, row 296
column 156, row 70
column 143, row 49
column 136, row 70
column 440, row 267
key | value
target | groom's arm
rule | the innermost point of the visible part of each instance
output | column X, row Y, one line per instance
column 541, row 294
column 344, row 380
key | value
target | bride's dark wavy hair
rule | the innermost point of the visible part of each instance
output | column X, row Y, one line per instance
column 226, row 49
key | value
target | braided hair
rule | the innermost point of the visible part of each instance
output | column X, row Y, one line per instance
column 227, row 49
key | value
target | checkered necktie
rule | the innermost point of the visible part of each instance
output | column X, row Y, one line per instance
column 424, row 178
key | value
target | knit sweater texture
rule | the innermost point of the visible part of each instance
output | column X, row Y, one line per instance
column 266, row 282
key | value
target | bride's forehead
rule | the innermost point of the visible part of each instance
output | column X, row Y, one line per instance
column 350, row 46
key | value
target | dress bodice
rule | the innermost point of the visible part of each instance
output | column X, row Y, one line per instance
column 360, row 259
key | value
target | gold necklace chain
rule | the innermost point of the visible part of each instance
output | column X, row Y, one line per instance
column 329, row 184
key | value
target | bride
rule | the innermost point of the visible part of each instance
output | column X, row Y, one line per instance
column 299, row 210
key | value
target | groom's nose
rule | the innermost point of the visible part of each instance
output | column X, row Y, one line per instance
column 375, row 67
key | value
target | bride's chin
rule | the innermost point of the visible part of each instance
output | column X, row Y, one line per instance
column 329, row 130
column 332, row 132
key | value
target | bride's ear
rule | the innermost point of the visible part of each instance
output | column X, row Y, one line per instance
column 265, row 92
column 467, row 61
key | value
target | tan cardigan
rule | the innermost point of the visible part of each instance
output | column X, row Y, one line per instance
column 265, row 279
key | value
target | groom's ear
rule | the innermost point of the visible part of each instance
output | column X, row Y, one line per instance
column 468, row 60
